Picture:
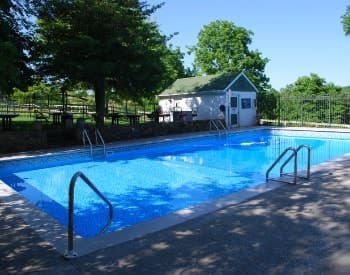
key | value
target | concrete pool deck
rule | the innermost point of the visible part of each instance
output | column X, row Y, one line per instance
column 301, row 229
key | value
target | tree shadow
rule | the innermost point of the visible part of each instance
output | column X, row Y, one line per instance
column 292, row 230
column 22, row 250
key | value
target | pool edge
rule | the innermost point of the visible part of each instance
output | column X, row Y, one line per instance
column 54, row 233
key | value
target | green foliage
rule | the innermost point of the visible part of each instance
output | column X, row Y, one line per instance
column 310, row 86
column 14, row 40
column 223, row 47
column 346, row 21
column 267, row 103
column 102, row 43
column 346, row 90
column 37, row 91
column 311, row 99
column 174, row 67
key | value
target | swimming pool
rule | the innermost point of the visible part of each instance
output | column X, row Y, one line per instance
column 147, row 181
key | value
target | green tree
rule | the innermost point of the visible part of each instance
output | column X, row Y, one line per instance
column 38, row 90
column 346, row 21
column 267, row 103
column 310, row 86
column 174, row 67
column 14, row 41
column 222, row 46
column 102, row 43
column 311, row 98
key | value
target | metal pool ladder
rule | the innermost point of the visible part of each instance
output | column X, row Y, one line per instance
column 87, row 138
column 294, row 156
column 70, row 253
column 217, row 125
column 99, row 142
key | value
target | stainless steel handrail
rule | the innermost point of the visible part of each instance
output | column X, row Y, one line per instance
column 86, row 135
column 294, row 154
column 99, row 136
column 308, row 161
column 212, row 122
column 221, row 124
column 70, row 253
column 216, row 123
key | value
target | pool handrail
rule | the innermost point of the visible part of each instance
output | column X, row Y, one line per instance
column 86, row 136
column 70, row 253
column 217, row 123
column 295, row 155
column 307, row 147
column 98, row 136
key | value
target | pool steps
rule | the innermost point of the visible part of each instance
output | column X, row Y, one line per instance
column 217, row 124
column 293, row 156
column 99, row 142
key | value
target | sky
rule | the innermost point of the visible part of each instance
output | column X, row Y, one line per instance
column 298, row 37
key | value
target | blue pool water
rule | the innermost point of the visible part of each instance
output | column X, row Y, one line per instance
column 148, row 181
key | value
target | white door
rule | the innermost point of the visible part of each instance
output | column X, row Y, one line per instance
column 233, row 110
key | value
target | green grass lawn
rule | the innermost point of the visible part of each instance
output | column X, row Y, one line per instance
column 26, row 121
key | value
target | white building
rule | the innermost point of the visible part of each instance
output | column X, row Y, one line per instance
column 200, row 98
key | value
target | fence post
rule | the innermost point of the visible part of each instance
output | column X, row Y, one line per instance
column 279, row 109
column 301, row 112
column 84, row 110
column 329, row 111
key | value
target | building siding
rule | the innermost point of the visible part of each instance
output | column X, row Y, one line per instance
column 206, row 106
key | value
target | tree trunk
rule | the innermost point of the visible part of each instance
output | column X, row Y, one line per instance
column 99, row 87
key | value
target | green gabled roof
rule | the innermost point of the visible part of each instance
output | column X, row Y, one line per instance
column 194, row 85
column 243, row 84
column 209, row 84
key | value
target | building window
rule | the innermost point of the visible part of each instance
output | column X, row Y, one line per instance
column 234, row 102
column 246, row 103
column 234, row 119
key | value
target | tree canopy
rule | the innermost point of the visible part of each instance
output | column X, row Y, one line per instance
column 222, row 47
column 311, row 86
column 14, row 40
column 346, row 21
column 102, row 43
column 267, row 103
column 313, row 99
column 174, row 67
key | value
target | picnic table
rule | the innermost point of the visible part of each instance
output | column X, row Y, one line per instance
column 132, row 118
column 115, row 118
column 7, row 120
column 56, row 116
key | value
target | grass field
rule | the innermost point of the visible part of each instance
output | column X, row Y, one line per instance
column 26, row 120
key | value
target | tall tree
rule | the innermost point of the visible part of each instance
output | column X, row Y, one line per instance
column 174, row 67
column 14, row 43
column 102, row 43
column 311, row 85
column 222, row 46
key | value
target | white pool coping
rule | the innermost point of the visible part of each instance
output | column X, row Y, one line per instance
column 56, row 234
